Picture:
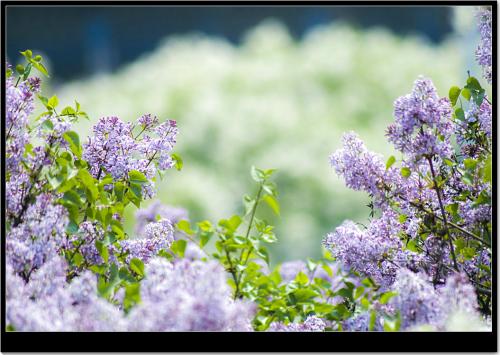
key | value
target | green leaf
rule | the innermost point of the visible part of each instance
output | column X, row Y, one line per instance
column 27, row 54
column 135, row 194
column 459, row 113
column 88, row 181
column 405, row 172
column 387, row 296
column 359, row 292
column 103, row 250
column 68, row 111
column 269, row 238
column 20, row 69
column 304, row 294
column 373, row 319
column 53, row 102
column 205, row 226
column 205, row 238
column 470, row 164
column 74, row 142
column 137, row 266
column 185, row 226
column 271, row 202
column 77, row 259
column 179, row 247
column 301, row 278
column 231, row 224
column 40, row 68
column 390, row 161
column 473, row 83
column 27, row 71
column 454, row 94
column 137, row 178
column 72, row 198
column 132, row 294
column 178, row 161
column 487, row 170
column 466, row 93
column 264, row 254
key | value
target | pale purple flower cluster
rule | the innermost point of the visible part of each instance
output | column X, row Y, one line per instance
column 111, row 147
column 422, row 126
column 188, row 296
column 49, row 303
column 156, row 209
column 376, row 252
column 421, row 304
column 361, row 323
column 19, row 105
column 156, row 236
column 481, row 114
column 175, row 297
column 485, row 118
column 38, row 237
column 311, row 324
column 84, row 242
column 360, row 168
column 290, row 269
column 115, row 150
column 484, row 49
column 17, row 188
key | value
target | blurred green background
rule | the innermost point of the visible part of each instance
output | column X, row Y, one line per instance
column 274, row 100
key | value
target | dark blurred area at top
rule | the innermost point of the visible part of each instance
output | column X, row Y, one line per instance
column 85, row 40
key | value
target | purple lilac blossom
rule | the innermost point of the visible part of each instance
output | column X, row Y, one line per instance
column 149, row 214
column 422, row 124
column 419, row 303
column 376, row 252
column 361, row 323
column 361, row 168
column 19, row 105
column 188, row 296
column 290, row 269
column 311, row 324
column 39, row 236
column 48, row 303
column 416, row 299
column 156, row 236
column 85, row 240
column 114, row 149
column 485, row 118
column 484, row 49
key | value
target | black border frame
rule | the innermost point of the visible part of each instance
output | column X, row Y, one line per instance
column 251, row 341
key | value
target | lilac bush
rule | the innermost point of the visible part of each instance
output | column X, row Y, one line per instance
column 429, row 252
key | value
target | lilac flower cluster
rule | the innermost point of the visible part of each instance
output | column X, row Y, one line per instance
column 84, row 242
column 419, row 303
column 311, row 324
column 422, row 126
column 485, row 118
column 38, row 237
column 156, row 236
column 175, row 297
column 376, row 252
column 361, row 323
column 149, row 214
column 19, row 103
column 484, row 49
column 115, row 150
column 361, row 168
column 49, row 303
column 188, row 296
